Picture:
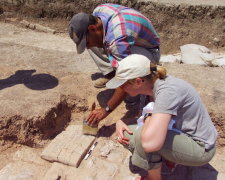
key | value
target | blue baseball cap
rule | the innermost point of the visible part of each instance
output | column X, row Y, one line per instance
column 78, row 27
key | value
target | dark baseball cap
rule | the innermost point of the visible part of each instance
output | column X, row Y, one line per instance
column 78, row 29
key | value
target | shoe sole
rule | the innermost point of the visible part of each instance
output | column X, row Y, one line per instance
column 96, row 86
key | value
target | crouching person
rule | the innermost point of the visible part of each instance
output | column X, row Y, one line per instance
column 191, row 138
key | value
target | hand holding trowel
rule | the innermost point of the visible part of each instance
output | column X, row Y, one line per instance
column 91, row 129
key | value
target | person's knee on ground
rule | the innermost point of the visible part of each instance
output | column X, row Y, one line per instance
column 140, row 158
column 130, row 146
column 181, row 149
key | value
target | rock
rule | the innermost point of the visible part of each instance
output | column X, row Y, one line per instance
column 30, row 156
column 22, row 171
column 172, row 58
column 105, row 150
column 37, row 27
column 57, row 171
column 116, row 156
column 7, row 14
column 105, row 169
column 119, row 155
column 196, row 54
column 219, row 61
column 11, row 19
column 216, row 40
column 25, row 23
column 101, row 170
column 44, row 29
column 221, row 176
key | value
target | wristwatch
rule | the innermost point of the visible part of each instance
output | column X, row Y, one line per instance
column 108, row 109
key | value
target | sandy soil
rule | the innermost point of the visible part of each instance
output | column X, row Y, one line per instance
column 177, row 22
column 25, row 49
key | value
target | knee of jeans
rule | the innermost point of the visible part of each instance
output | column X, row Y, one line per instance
column 137, row 137
column 130, row 146
column 131, row 137
column 147, row 162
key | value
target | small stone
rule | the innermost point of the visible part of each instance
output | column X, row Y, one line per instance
column 10, row 19
column 90, row 163
column 223, row 158
column 116, row 157
column 25, row 23
column 216, row 40
column 105, row 150
column 2, row 143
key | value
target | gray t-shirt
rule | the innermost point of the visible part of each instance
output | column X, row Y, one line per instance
column 178, row 98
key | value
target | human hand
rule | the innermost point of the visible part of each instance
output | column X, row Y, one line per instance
column 120, row 128
column 96, row 116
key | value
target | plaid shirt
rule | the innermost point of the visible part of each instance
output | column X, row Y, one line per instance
column 123, row 28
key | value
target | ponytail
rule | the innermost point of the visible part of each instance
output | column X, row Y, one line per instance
column 159, row 71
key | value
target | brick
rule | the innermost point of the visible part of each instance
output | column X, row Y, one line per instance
column 69, row 147
column 74, row 159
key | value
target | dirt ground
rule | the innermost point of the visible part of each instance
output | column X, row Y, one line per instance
column 177, row 22
column 26, row 49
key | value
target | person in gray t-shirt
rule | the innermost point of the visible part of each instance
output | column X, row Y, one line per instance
column 193, row 142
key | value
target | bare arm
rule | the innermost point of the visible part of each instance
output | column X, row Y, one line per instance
column 99, row 114
column 154, row 132
column 117, row 98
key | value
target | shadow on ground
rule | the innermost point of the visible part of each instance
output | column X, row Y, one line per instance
column 104, row 96
column 34, row 82
column 96, row 76
column 130, row 117
column 206, row 172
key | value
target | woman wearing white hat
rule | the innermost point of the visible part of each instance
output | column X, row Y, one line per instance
column 193, row 142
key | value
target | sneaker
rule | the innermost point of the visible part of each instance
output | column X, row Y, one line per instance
column 101, row 82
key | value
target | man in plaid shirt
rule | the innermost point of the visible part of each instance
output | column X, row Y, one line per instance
column 110, row 34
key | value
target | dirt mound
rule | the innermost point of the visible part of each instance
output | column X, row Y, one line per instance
column 32, row 117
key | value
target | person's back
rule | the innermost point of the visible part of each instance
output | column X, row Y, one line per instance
column 178, row 98
column 125, row 25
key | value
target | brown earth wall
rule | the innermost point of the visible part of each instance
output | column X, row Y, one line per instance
column 176, row 24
